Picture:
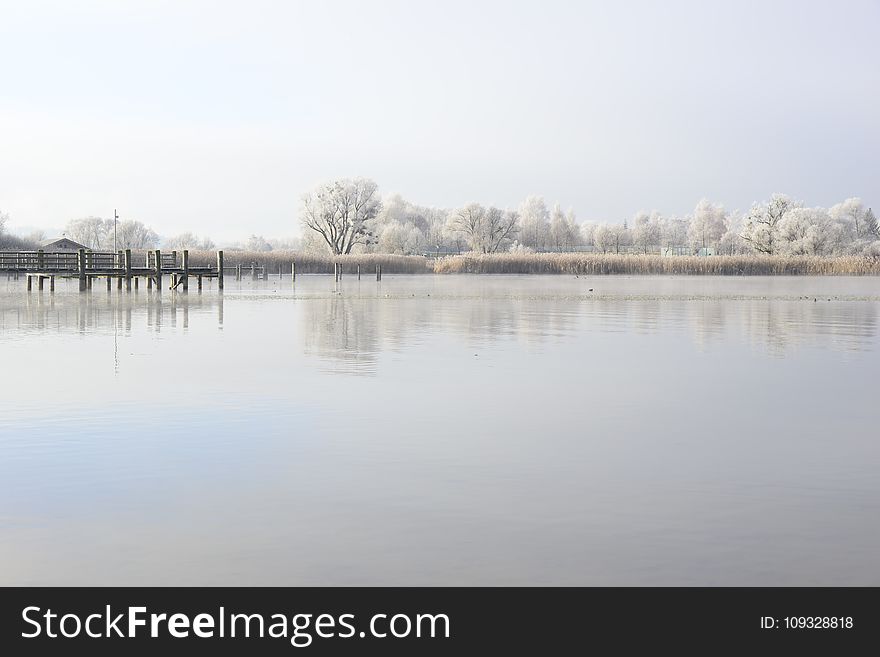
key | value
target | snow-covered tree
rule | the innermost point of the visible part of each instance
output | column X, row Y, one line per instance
column 707, row 225
column 342, row 212
column 131, row 234
column 189, row 241
column 257, row 243
column 564, row 230
column 761, row 224
column 646, row 231
column 534, row 222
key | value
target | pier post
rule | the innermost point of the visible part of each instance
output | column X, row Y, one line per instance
column 377, row 272
column 127, row 263
column 109, row 282
column 220, row 270
column 293, row 272
column 199, row 279
column 149, row 282
column 51, row 284
column 136, row 279
column 238, row 272
column 186, row 270
column 40, row 283
column 40, row 260
column 81, row 266
column 359, row 272
column 158, row 263
column 29, row 281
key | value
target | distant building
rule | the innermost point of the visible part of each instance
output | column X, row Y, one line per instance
column 63, row 244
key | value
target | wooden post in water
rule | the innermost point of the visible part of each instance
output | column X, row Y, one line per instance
column 109, row 282
column 30, row 280
column 136, row 279
column 199, row 279
column 293, row 272
column 158, row 264
column 81, row 265
column 238, row 272
column 127, row 264
column 186, row 270
column 359, row 272
column 220, row 270
column 40, row 260
column 51, row 284
column 377, row 272
column 40, row 283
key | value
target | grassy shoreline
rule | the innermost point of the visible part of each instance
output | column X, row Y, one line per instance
column 554, row 263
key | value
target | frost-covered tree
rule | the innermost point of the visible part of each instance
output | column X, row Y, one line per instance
column 564, row 230
column 131, row 234
column 707, row 225
column 94, row 232
column 807, row 231
column 486, row 230
column 189, row 241
column 646, row 231
column 403, row 239
column 855, row 219
column 673, row 232
column 534, row 222
column 761, row 224
column 342, row 212
column 257, row 243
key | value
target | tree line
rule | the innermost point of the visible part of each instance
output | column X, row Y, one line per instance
column 349, row 215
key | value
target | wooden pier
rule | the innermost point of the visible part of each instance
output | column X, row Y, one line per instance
column 86, row 266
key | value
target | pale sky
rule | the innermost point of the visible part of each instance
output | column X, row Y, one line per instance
column 216, row 117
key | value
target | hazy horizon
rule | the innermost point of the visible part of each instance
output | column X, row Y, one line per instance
column 217, row 117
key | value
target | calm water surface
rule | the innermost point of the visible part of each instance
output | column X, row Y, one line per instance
column 443, row 430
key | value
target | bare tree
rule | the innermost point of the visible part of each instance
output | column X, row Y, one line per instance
column 341, row 212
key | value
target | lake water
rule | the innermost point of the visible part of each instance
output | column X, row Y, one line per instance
column 443, row 430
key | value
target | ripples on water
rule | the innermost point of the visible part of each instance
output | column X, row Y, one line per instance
column 443, row 430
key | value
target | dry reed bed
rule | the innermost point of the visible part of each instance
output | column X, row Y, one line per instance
column 316, row 264
column 552, row 263
column 599, row 263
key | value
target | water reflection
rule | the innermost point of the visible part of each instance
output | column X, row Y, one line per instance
column 442, row 430
column 348, row 327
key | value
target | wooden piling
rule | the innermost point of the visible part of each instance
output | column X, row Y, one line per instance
column 238, row 272
column 136, row 279
column 199, row 279
column 220, row 270
column 293, row 272
column 149, row 282
column 109, row 282
column 51, row 284
column 81, row 265
column 359, row 272
column 158, row 264
column 30, row 282
column 186, row 270
column 119, row 283
column 40, row 283
column 41, row 261
column 127, row 264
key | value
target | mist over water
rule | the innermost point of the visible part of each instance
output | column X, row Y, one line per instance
column 443, row 430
